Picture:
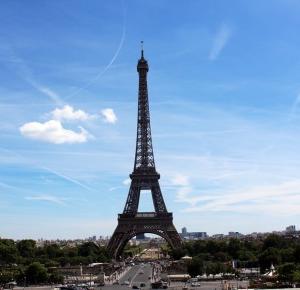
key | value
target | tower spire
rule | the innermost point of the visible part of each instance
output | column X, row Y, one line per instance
column 142, row 49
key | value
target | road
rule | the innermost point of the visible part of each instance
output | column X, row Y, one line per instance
column 138, row 274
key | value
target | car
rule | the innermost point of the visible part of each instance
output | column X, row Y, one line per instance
column 127, row 283
column 142, row 285
column 156, row 285
column 135, row 287
column 195, row 284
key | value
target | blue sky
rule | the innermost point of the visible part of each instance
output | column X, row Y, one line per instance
column 224, row 95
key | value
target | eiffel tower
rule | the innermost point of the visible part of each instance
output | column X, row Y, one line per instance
column 144, row 177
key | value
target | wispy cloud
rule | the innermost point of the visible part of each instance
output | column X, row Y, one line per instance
column 220, row 40
column 47, row 198
column 180, row 179
column 184, row 189
column 273, row 199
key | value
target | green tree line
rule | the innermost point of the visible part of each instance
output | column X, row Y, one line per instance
column 24, row 262
column 216, row 256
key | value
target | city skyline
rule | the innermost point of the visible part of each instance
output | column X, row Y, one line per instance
column 224, row 105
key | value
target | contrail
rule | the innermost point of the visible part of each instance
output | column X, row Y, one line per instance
column 116, row 54
column 26, row 74
column 294, row 108
column 5, row 185
column 65, row 177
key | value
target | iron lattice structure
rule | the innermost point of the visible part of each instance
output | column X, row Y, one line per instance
column 144, row 177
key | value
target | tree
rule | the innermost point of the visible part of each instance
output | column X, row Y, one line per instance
column 5, row 277
column 55, row 278
column 176, row 254
column 26, row 248
column 36, row 273
column 286, row 271
column 195, row 267
column 234, row 246
column 268, row 257
column 297, row 253
column 214, row 268
column 53, row 251
column 287, row 255
column 246, row 255
column 274, row 241
column 212, row 247
column 296, row 276
column 8, row 252
column 88, row 249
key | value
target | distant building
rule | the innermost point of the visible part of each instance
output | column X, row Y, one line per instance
column 235, row 235
column 192, row 235
column 218, row 236
column 290, row 229
column 198, row 235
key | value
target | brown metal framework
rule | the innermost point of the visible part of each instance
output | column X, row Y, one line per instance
column 144, row 177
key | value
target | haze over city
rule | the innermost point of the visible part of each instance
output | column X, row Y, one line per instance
column 224, row 98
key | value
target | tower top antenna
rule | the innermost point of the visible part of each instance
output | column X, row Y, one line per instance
column 142, row 48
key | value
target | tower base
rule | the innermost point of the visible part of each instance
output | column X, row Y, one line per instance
column 144, row 222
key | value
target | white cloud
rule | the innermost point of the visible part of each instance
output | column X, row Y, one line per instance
column 127, row 181
column 53, row 132
column 45, row 197
column 109, row 115
column 220, row 40
column 68, row 113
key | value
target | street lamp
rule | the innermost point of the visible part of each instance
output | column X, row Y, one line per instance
column 24, row 281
